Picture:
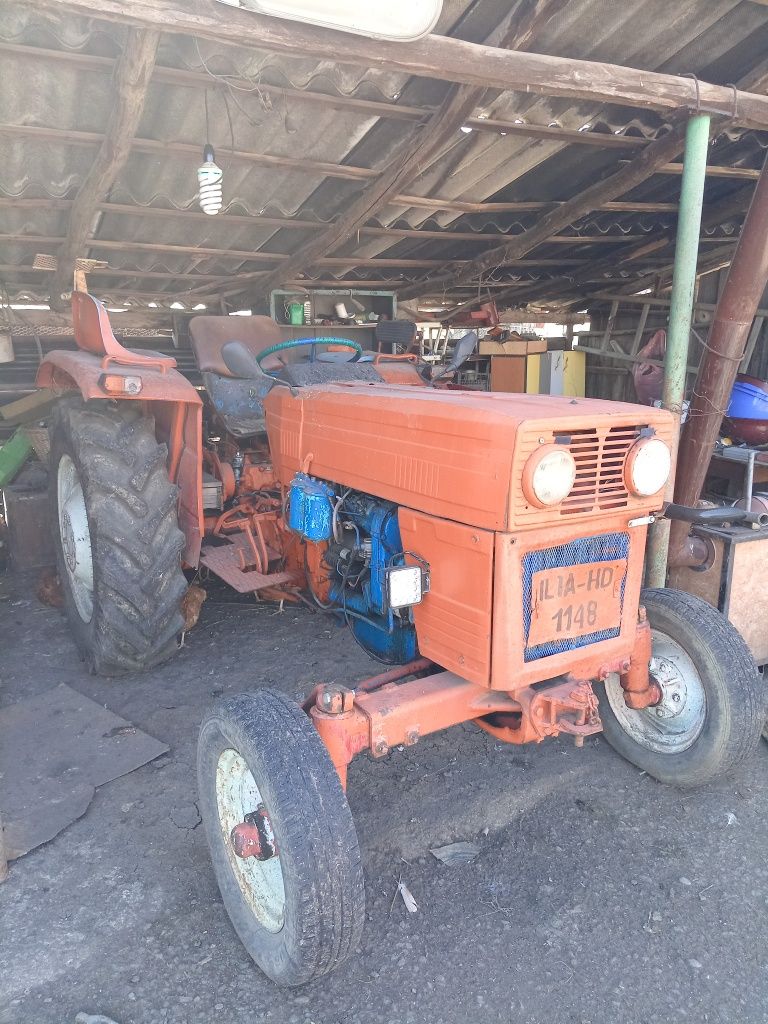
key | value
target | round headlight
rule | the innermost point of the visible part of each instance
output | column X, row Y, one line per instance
column 549, row 475
column 648, row 466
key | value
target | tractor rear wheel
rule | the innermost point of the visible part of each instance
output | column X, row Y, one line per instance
column 281, row 836
column 116, row 534
column 712, row 708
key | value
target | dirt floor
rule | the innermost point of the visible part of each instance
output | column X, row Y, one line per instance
column 598, row 896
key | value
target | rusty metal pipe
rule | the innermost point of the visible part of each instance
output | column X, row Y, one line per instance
column 731, row 324
column 374, row 682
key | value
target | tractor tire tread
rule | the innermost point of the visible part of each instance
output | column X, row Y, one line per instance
column 313, row 820
column 736, row 698
column 137, row 543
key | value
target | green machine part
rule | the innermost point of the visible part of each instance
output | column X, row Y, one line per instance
column 13, row 455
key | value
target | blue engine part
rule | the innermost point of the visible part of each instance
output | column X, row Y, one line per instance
column 370, row 544
column 366, row 544
column 310, row 508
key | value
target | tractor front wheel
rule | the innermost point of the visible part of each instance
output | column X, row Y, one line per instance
column 116, row 534
column 281, row 836
column 712, row 708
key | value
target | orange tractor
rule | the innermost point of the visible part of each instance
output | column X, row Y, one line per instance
column 487, row 548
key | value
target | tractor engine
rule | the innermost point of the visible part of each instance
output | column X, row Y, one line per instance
column 358, row 565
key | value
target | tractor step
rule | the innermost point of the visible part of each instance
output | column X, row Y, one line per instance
column 224, row 561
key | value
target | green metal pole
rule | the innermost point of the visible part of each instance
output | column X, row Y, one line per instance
column 680, row 314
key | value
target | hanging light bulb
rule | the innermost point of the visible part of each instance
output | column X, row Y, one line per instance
column 209, row 177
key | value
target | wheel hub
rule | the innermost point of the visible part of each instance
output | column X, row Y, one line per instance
column 253, row 853
column 674, row 692
column 673, row 723
column 254, row 837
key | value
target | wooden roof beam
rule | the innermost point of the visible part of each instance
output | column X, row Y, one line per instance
column 438, row 57
column 414, row 157
column 624, row 180
column 183, row 77
column 40, row 241
column 346, row 172
column 298, row 224
column 131, row 81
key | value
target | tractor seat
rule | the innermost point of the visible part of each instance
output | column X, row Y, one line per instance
column 209, row 335
column 235, row 383
column 226, row 350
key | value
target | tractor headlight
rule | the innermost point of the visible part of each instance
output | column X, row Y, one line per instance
column 549, row 475
column 648, row 466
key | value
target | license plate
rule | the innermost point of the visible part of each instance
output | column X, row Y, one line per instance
column 575, row 600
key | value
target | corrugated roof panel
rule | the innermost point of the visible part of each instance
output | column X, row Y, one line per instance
column 720, row 40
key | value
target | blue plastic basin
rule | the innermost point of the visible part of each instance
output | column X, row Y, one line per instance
column 748, row 402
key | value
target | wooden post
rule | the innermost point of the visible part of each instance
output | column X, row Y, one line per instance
column 132, row 74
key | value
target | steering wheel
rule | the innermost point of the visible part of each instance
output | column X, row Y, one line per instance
column 297, row 342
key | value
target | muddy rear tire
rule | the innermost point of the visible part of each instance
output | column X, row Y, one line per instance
column 116, row 533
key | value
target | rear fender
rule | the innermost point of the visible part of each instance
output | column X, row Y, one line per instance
column 177, row 409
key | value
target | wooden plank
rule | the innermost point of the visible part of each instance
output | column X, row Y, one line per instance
column 623, row 357
column 301, row 224
column 155, row 147
column 14, row 269
column 641, row 322
column 182, row 77
column 131, row 81
column 259, row 256
column 439, row 57
column 610, row 323
column 654, row 300
column 31, row 407
column 51, row 321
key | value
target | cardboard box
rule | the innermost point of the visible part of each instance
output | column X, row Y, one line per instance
column 521, row 347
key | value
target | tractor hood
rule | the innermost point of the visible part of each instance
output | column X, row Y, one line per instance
column 458, row 455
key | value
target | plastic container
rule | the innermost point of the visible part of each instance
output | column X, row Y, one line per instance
column 295, row 313
column 749, row 400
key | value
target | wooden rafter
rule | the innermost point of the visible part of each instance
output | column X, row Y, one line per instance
column 438, row 57
column 584, row 202
column 182, row 77
column 299, row 224
column 304, row 165
column 415, row 155
column 716, row 213
column 131, row 80
column 41, row 241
